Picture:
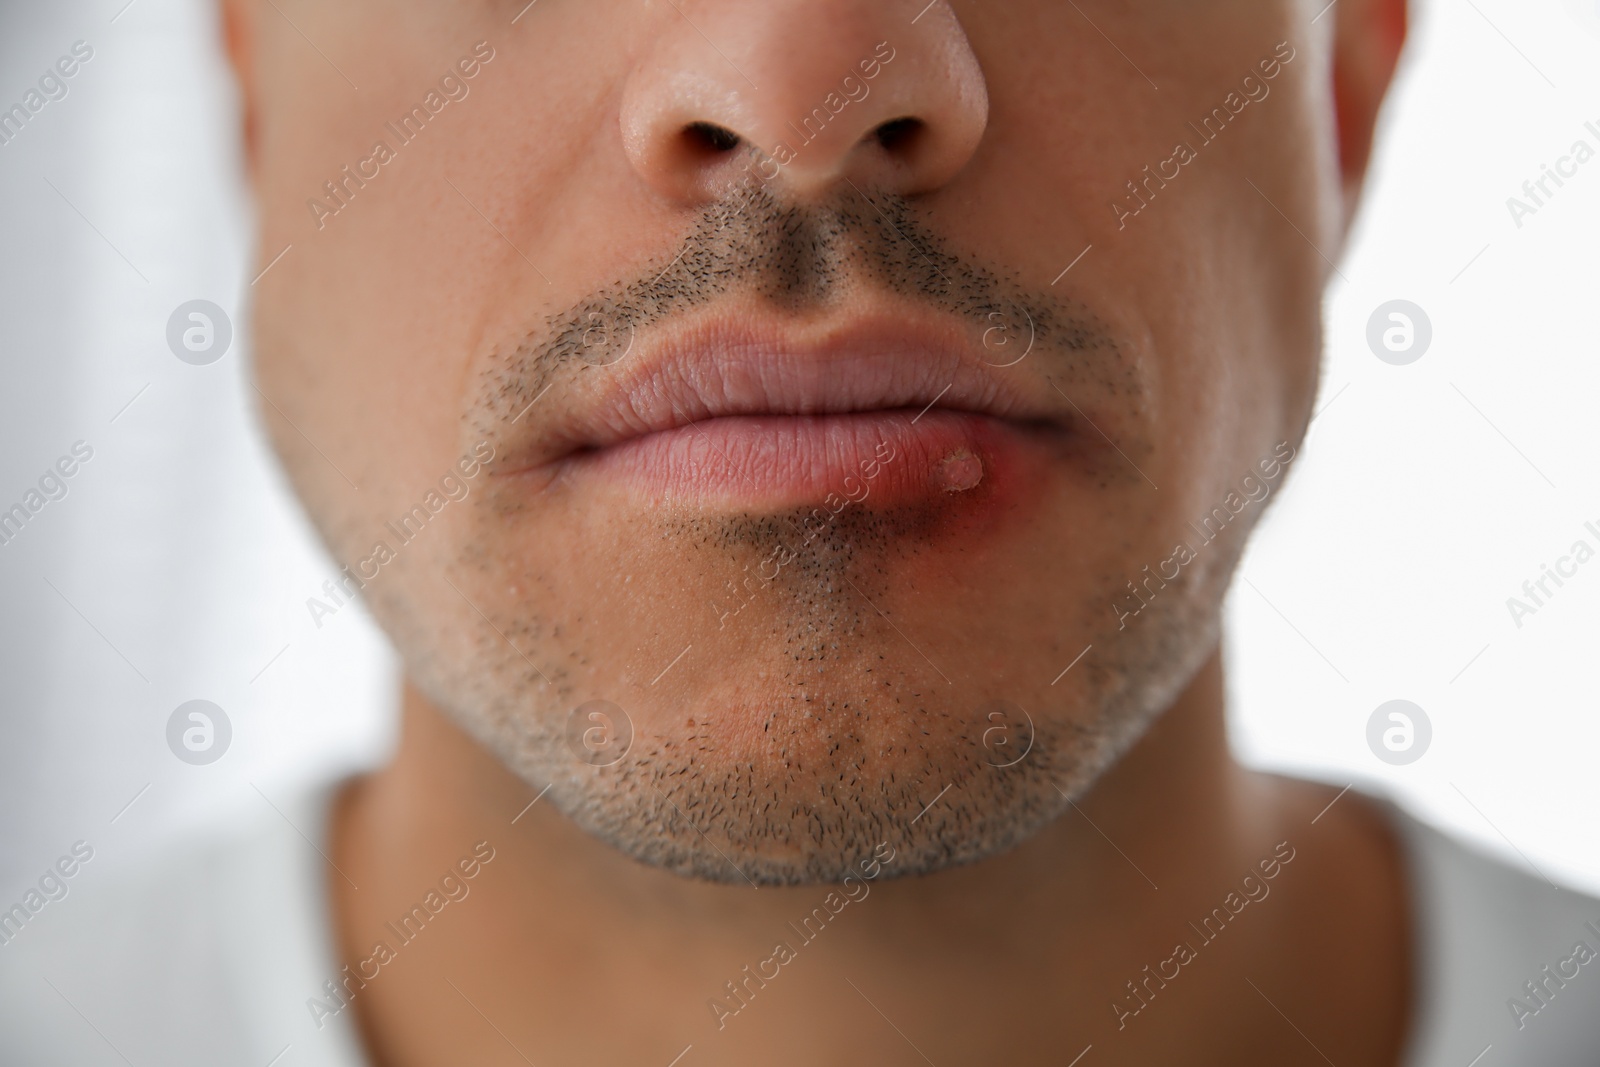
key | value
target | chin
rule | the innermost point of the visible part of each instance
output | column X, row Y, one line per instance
column 761, row 826
column 804, row 731
column 803, row 791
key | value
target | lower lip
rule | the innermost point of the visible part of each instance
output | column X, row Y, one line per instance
column 770, row 462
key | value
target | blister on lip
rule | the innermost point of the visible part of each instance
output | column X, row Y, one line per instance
column 958, row 472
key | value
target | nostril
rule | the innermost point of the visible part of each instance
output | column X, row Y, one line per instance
column 708, row 138
column 896, row 135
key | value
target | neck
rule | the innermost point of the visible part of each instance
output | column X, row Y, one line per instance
column 573, row 951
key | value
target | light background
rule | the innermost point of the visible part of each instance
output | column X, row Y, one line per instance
column 178, row 565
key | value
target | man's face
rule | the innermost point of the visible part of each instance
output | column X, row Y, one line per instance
column 871, row 431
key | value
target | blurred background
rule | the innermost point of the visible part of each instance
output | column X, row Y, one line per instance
column 1445, row 468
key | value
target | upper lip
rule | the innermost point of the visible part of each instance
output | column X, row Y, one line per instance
column 730, row 365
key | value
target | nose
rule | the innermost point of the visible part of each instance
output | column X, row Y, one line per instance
column 804, row 94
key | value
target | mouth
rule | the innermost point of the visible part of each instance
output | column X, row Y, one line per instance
column 731, row 413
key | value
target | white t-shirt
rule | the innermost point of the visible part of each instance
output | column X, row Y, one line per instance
column 211, row 952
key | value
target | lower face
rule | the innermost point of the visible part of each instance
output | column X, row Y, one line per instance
column 754, row 646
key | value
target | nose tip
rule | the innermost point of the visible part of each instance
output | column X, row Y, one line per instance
column 804, row 94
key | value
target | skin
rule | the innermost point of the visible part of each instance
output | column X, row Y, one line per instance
column 474, row 295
